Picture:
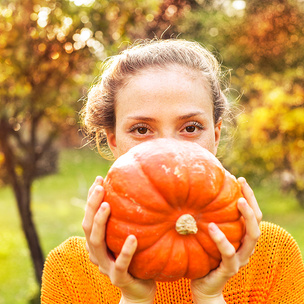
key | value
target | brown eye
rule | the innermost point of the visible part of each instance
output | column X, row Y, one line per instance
column 142, row 130
column 190, row 129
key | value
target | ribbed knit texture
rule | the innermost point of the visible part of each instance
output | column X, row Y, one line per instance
column 275, row 274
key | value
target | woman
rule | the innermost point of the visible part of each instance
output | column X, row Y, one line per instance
column 168, row 89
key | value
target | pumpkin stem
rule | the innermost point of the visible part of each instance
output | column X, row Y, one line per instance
column 186, row 224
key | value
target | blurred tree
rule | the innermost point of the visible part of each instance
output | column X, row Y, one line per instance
column 271, row 77
column 37, row 72
column 270, row 137
column 263, row 42
column 272, row 38
column 47, row 50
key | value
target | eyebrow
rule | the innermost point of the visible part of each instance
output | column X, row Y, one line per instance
column 192, row 114
column 183, row 117
column 144, row 118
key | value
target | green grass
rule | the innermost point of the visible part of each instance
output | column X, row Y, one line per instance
column 282, row 209
column 58, row 208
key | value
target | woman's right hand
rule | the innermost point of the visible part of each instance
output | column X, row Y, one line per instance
column 94, row 226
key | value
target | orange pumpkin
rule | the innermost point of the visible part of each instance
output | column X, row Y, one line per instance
column 166, row 192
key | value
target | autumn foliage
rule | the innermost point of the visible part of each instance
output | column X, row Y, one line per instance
column 50, row 52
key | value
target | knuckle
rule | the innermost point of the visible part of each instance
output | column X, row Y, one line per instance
column 94, row 197
column 233, row 270
column 119, row 267
column 230, row 253
column 85, row 226
column 98, row 189
column 94, row 241
column 91, row 190
column 250, row 212
column 124, row 254
column 221, row 239
column 250, row 192
column 257, row 235
column 90, row 203
column 259, row 216
column 99, row 219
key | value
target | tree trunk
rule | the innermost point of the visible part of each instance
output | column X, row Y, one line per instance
column 300, row 197
column 23, row 198
column 21, row 185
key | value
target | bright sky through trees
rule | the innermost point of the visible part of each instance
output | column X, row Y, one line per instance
column 83, row 2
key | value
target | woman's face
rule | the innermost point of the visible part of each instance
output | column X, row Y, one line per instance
column 171, row 102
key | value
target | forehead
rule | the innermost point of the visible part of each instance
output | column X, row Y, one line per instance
column 177, row 74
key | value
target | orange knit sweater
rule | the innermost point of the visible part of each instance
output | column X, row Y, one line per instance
column 275, row 274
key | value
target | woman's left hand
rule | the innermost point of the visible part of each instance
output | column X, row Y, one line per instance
column 209, row 288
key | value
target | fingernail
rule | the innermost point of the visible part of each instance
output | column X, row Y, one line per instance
column 242, row 180
column 212, row 227
column 242, row 202
column 98, row 179
column 103, row 206
column 132, row 239
column 98, row 188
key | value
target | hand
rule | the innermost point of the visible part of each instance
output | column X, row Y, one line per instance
column 209, row 288
column 94, row 226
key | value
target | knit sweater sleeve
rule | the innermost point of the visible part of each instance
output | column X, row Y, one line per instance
column 54, row 287
column 274, row 274
column 286, row 268
column 70, row 277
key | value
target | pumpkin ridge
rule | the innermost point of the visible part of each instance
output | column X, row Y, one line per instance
column 219, row 192
column 215, row 203
column 171, row 255
column 209, row 217
column 161, row 228
column 191, row 270
column 164, row 262
column 188, row 262
column 123, row 207
column 145, row 208
column 203, row 239
column 211, row 200
column 172, row 208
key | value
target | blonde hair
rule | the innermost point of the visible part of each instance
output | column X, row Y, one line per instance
column 99, row 111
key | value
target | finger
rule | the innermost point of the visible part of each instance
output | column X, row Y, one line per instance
column 97, row 238
column 98, row 181
column 97, row 244
column 123, row 260
column 230, row 265
column 92, row 206
column 252, row 231
column 250, row 198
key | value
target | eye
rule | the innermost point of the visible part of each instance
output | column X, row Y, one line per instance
column 140, row 129
column 193, row 126
column 190, row 129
